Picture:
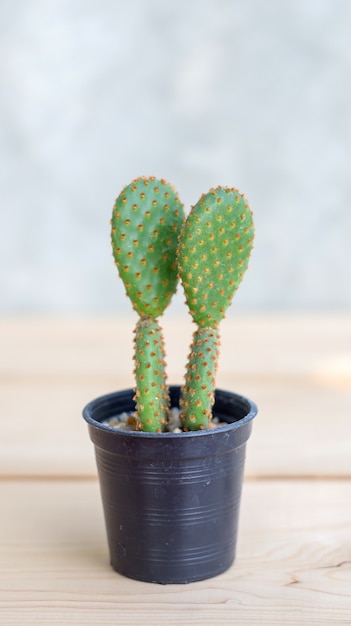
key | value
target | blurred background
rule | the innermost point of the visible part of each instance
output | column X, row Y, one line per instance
column 244, row 93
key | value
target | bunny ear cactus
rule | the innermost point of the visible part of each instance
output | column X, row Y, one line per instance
column 145, row 226
column 153, row 245
column 213, row 254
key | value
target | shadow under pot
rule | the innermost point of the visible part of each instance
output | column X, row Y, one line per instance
column 171, row 500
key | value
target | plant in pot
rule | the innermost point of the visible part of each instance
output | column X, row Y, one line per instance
column 170, row 494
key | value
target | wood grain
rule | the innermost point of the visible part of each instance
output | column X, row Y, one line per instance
column 297, row 369
column 293, row 562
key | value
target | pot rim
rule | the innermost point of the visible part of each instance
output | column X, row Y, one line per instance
column 231, row 426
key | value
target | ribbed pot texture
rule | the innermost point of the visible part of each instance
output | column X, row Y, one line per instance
column 171, row 501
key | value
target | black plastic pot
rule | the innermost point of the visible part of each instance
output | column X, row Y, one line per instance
column 171, row 501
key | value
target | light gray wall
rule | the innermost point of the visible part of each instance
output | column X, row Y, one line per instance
column 250, row 93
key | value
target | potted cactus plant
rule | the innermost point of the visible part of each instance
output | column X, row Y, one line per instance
column 171, row 497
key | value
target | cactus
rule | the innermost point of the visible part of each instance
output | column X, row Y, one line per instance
column 214, row 250
column 146, row 221
column 197, row 395
column 153, row 245
column 151, row 393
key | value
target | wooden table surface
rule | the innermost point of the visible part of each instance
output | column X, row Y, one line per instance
column 293, row 562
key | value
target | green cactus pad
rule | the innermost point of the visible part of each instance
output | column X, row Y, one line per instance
column 213, row 254
column 197, row 395
column 151, row 396
column 146, row 221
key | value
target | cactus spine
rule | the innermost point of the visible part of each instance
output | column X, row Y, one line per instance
column 145, row 226
column 213, row 254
